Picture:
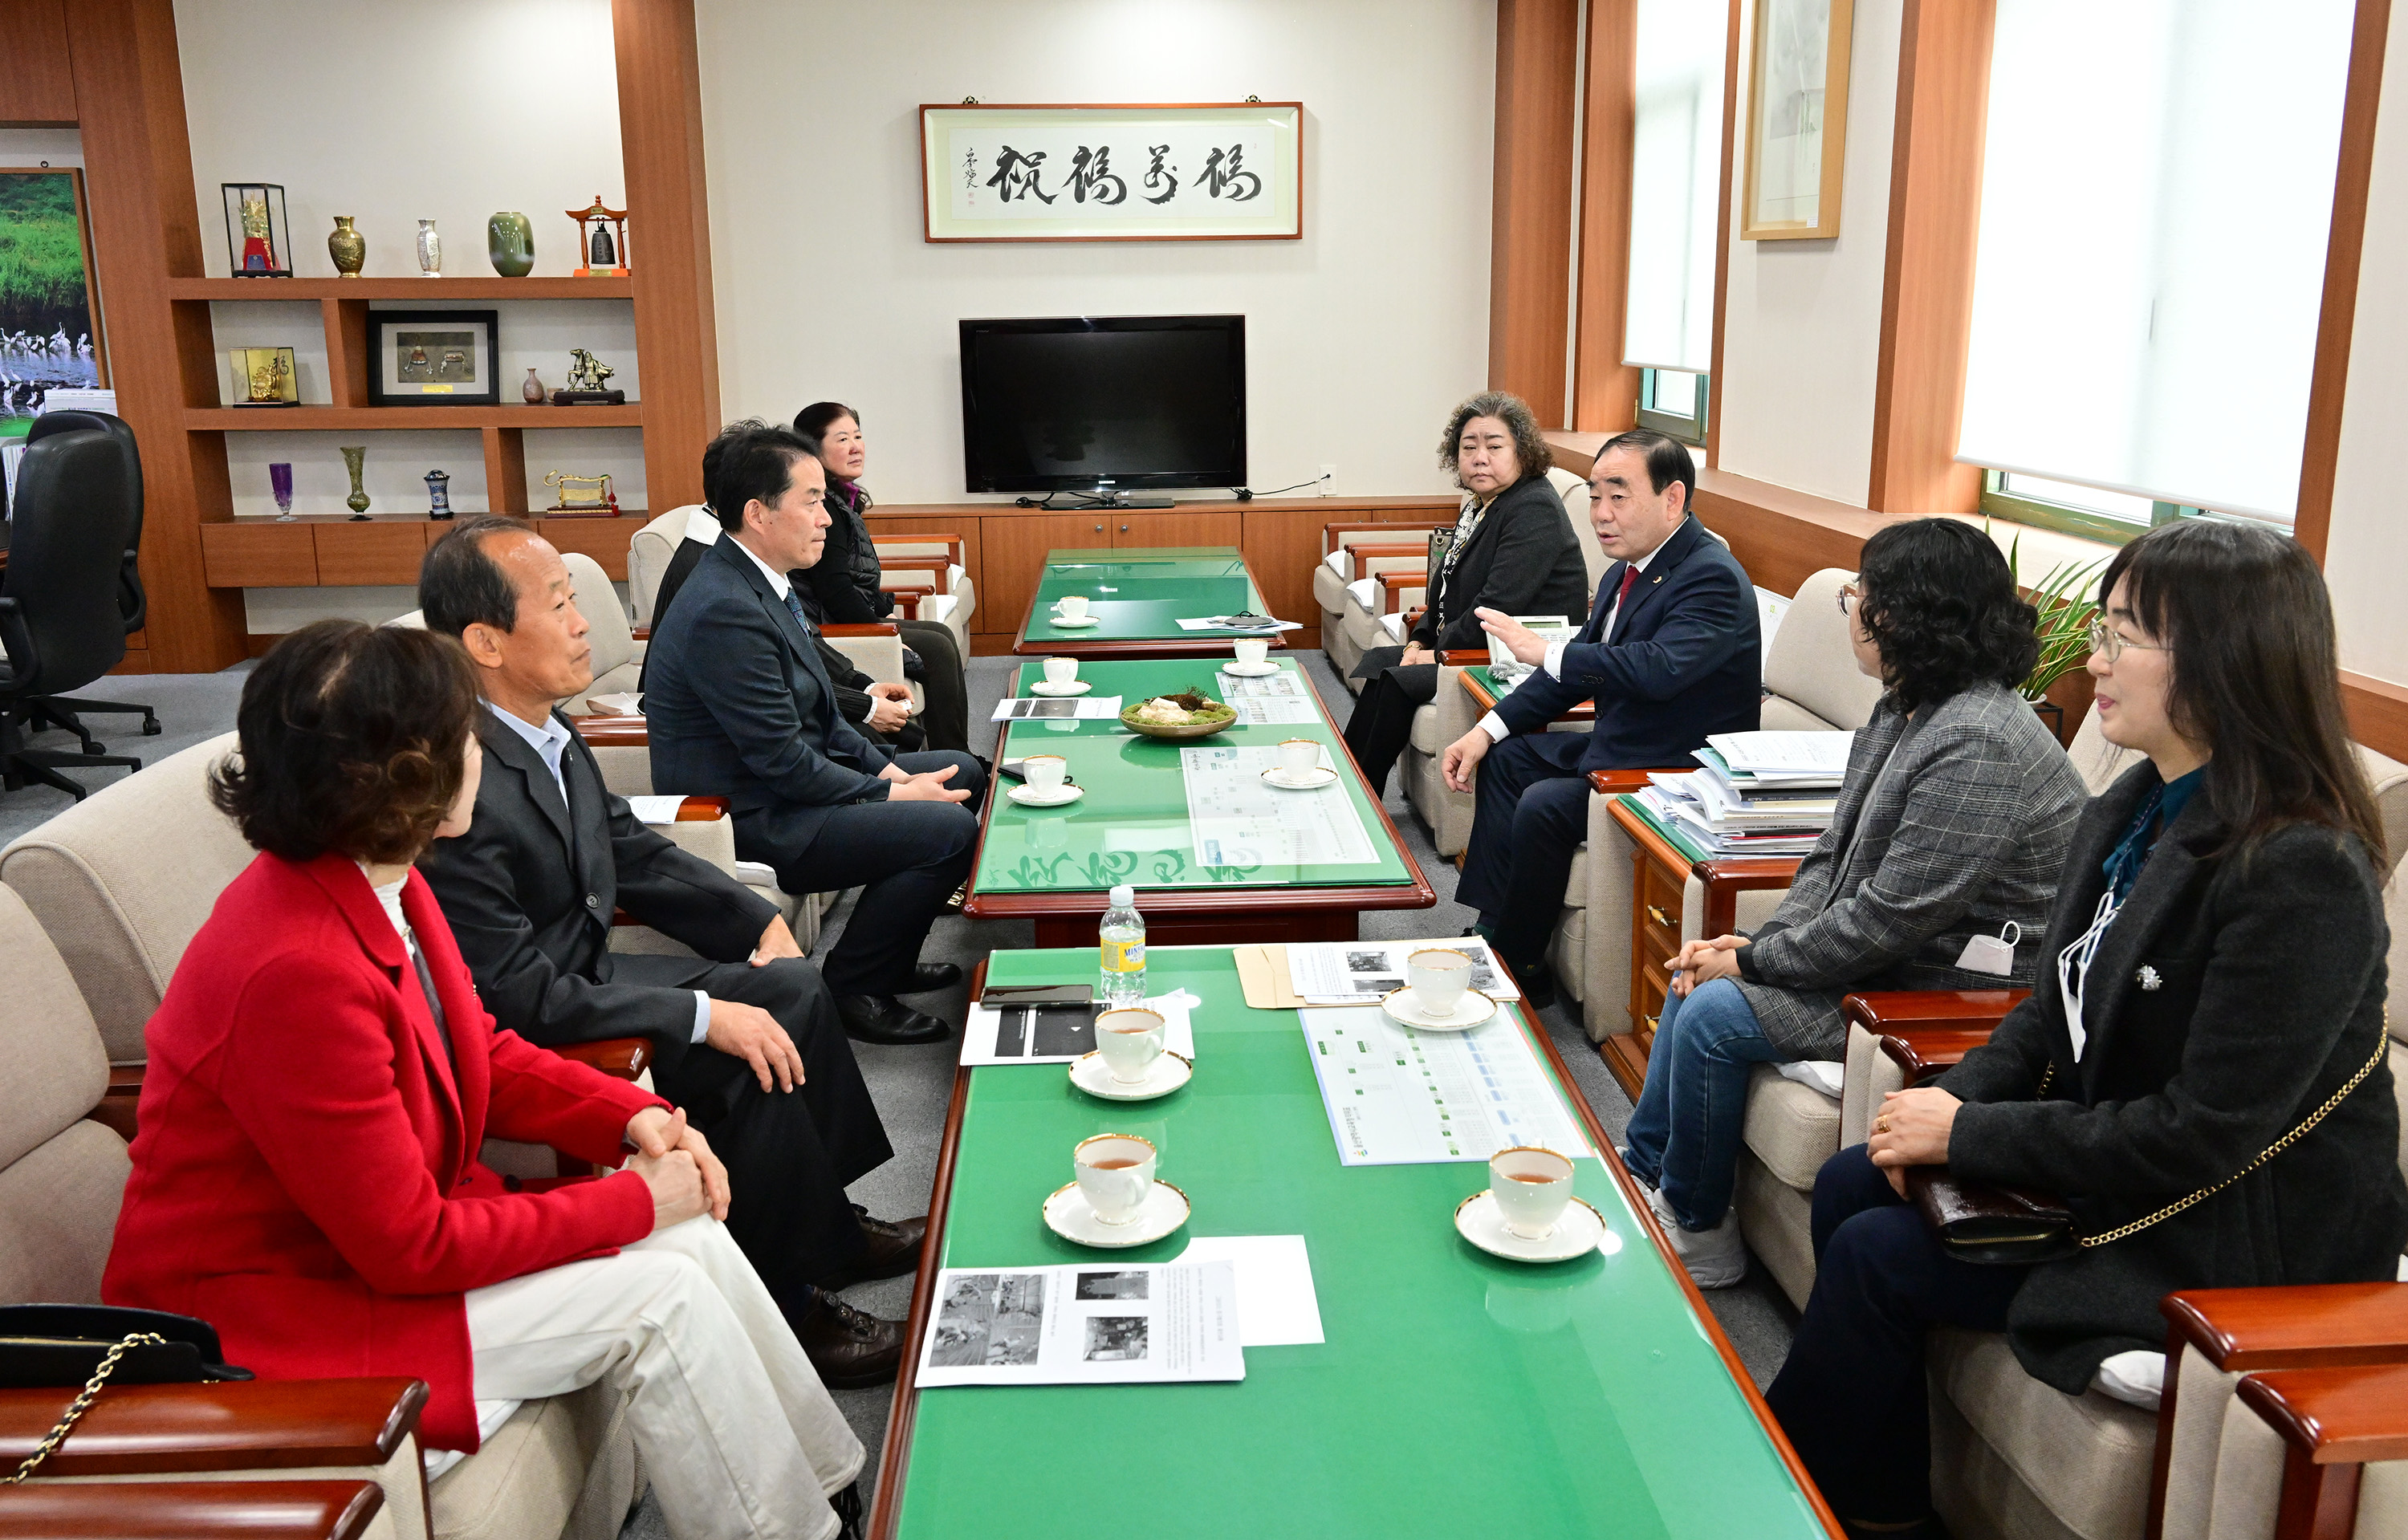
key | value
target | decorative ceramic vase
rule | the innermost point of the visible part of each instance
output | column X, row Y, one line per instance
column 430, row 250
column 438, row 494
column 348, row 246
column 533, row 392
column 509, row 241
column 355, row 461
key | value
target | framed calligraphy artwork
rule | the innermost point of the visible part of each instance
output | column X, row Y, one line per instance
column 1196, row 171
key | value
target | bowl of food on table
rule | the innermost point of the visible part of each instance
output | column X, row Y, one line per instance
column 1189, row 714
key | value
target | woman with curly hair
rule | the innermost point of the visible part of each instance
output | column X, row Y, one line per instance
column 1513, row 549
column 1940, row 860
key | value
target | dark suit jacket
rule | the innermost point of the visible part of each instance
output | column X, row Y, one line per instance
column 1524, row 559
column 1683, row 663
column 2270, row 978
column 531, row 887
column 740, row 704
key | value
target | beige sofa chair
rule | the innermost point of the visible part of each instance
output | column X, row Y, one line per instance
column 911, row 564
column 562, row 1467
column 651, row 548
column 618, row 656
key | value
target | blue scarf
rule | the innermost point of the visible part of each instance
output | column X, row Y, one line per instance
column 2157, row 812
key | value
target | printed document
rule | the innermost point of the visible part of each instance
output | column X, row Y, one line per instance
column 1087, row 1323
column 1056, row 1034
column 1359, row 972
column 1239, row 819
column 1401, row 1097
column 1276, row 1304
column 1056, row 707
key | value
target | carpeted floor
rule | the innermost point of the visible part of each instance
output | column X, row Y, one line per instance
column 913, row 1085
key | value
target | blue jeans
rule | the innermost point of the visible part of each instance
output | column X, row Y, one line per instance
column 1684, row 1133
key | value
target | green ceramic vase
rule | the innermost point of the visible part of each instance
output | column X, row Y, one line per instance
column 509, row 241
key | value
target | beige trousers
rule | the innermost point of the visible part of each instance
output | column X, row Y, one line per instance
column 736, row 1433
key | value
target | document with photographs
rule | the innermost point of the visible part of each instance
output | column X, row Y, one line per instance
column 1400, row 1097
column 1056, row 1034
column 1360, row 973
column 1085, row 1325
column 1240, row 820
column 1056, row 708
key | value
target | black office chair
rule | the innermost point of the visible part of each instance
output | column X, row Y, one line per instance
column 131, row 603
column 60, row 620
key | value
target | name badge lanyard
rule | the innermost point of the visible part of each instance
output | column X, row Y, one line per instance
column 2123, row 868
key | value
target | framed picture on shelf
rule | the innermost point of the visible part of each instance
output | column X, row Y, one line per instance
column 1796, row 120
column 432, row 358
column 50, row 312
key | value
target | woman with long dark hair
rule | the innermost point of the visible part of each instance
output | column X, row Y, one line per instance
column 843, row 589
column 1936, row 872
column 2211, row 986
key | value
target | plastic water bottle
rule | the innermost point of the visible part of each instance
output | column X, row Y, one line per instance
column 1122, row 950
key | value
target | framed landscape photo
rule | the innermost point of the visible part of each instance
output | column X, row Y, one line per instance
column 1191, row 171
column 1796, row 120
column 432, row 358
column 50, row 312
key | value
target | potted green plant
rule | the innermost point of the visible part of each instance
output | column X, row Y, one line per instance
column 2064, row 598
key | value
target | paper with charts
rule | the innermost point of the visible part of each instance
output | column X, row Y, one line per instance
column 1270, row 700
column 1400, row 1097
column 1239, row 819
column 1088, row 1323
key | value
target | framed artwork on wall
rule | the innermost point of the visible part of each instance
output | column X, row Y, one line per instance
column 49, row 310
column 1193, row 171
column 432, row 358
column 1796, row 120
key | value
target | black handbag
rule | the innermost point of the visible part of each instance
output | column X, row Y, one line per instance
column 55, row 1346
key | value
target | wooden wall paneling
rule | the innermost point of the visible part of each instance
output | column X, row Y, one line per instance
column 38, row 77
column 1530, row 264
column 668, row 239
column 381, row 551
column 604, row 539
column 129, row 92
column 2321, row 446
column 259, row 554
column 506, row 483
column 1780, row 536
column 966, row 524
column 1015, row 547
column 1283, row 546
column 346, row 351
column 1722, row 237
column 1605, row 392
column 1211, row 527
column 1935, row 214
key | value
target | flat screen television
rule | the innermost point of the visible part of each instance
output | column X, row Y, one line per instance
column 1104, row 405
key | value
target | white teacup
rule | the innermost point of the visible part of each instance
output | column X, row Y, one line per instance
column 1045, row 772
column 1071, row 607
column 1115, row 1174
column 1439, row 977
column 1130, row 1041
column 1252, row 651
column 1531, row 1186
column 1298, row 757
column 1061, row 670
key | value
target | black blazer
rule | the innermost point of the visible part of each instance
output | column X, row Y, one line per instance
column 1523, row 558
column 530, row 889
column 2232, row 996
column 1685, row 660
column 740, row 704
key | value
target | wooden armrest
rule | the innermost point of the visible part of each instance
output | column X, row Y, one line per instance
column 955, row 546
column 120, row 1102
column 1748, row 874
column 205, row 1510
column 1925, row 1030
column 642, row 634
column 608, row 732
column 1613, row 782
column 624, row 1058
column 1394, row 583
column 704, row 809
column 1465, row 657
column 1402, row 553
column 2336, row 1417
column 1330, row 533
column 916, row 589
column 2304, row 1326
column 259, row 1424
column 874, row 628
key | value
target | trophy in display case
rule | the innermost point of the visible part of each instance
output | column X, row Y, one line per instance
column 258, row 241
column 263, row 377
column 581, row 496
column 605, row 254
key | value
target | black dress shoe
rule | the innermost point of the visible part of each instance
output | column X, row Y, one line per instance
column 1538, row 983
column 851, row 1348
column 893, row 1251
column 932, row 975
column 883, row 1019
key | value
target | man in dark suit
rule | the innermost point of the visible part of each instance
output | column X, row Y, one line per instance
column 737, row 703
column 744, row 1036
column 1669, row 654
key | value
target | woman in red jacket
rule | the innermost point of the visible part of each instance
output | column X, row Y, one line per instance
column 322, row 1079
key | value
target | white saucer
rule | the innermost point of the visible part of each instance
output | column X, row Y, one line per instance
column 1320, row 775
column 1076, row 687
column 1251, row 671
column 1069, row 1215
column 1474, row 1009
column 1064, row 622
column 1479, row 1220
column 1028, row 796
column 1169, row 1072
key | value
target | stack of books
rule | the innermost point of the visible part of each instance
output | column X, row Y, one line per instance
column 1755, row 794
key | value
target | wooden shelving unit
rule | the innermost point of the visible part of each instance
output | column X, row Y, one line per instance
column 441, row 290
column 356, row 418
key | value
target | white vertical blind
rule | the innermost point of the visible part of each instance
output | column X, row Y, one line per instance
column 1676, row 150
column 2156, row 192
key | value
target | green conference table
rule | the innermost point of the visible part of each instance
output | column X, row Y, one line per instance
column 1456, row 1393
column 1056, row 865
column 1138, row 597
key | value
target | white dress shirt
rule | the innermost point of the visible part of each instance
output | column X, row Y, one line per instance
column 1492, row 724
column 780, row 584
column 551, row 741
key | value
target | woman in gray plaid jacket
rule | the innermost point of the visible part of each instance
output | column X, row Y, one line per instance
column 1936, row 872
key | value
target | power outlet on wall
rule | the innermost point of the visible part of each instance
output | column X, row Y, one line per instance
column 1329, row 482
